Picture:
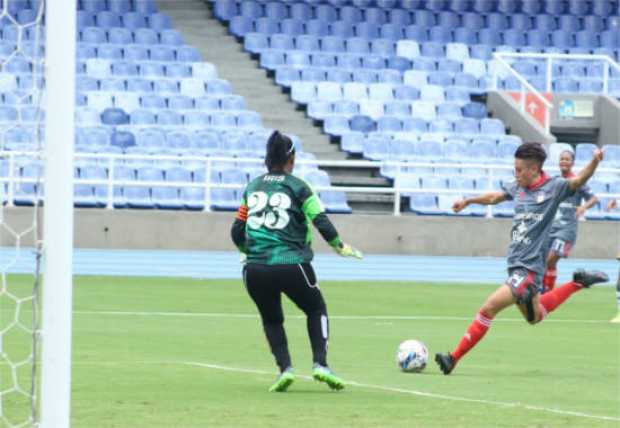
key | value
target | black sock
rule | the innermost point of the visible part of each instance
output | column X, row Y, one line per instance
column 276, row 336
column 318, row 331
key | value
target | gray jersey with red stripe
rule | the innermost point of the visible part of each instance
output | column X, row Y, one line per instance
column 564, row 224
column 535, row 209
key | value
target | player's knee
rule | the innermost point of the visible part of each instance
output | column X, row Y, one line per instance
column 490, row 309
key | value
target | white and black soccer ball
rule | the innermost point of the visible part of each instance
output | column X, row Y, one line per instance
column 412, row 356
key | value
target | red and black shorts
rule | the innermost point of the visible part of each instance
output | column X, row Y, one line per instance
column 561, row 247
column 523, row 283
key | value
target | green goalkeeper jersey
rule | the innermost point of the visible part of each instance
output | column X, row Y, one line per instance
column 280, row 209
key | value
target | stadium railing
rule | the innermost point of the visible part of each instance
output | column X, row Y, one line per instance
column 111, row 161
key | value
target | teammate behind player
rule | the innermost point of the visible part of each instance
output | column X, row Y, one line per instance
column 537, row 197
column 563, row 233
column 272, row 228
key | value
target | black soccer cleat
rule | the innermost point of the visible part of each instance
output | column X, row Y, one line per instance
column 446, row 362
column 587, row 278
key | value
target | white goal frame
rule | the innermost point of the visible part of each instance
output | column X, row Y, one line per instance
column 60, row 35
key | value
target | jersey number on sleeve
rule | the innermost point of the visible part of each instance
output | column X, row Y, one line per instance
column 268, row 211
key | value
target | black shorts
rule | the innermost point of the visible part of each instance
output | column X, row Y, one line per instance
column 266, row 283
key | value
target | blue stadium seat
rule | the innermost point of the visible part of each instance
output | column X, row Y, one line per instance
column 361, row 123
column 297, row 59
column 489, row 126
column 440, row 34
column 569, row 23
column 465, row 35
column 281, row 41
column 392, row 31
column 232, row 102
column 313, row 74
column 448, row 19
column 307, row 42
column 134, row 20
column 301, row 11
column 335, row 202
column 545, row 23
column 166, row 198
column 590, row 86
column 136, row 53
column 482, row 148
column 138, row 197
column 514, row 37
column 333, row 44
column 317, row 28
column 145, row 6
column 325, row 12
column 472, row 20
column 267, row 25
column 416, row 32
column 193, row 198
column 521, row 21
column 276, row 10
column 482, row 52
column 292, row 27
column 497, row 21
column 423, row 204
column 108, row 20
column 345, row 107
column 357, row 45
column 160, row 22
column 185, row 53
column 375, row 15
column 489, row 36
column 367, row 30
column 240, row 25
column 224, row 199
column 85, row 19
column 587, row 39
column 93, row 35
column 146, row 36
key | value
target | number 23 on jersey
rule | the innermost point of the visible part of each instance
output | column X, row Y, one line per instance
column 268, row 211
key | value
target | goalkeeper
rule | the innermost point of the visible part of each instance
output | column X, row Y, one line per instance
column 272, row 230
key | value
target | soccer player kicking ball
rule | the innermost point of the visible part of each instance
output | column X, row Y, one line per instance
column 537, row 197
column 563, row 233
column 272, row 228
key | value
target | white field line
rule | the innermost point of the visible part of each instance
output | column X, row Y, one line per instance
column 334, row 317
column 415, row 392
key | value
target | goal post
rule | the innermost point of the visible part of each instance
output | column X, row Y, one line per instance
column 60, row 34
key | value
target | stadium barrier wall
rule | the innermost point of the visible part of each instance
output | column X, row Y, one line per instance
column 374, row 234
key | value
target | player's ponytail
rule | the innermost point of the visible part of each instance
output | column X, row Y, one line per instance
column 279, row 150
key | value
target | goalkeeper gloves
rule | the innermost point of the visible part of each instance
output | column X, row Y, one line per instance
column 345, row 250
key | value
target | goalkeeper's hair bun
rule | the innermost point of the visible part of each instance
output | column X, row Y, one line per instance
column 279, row 149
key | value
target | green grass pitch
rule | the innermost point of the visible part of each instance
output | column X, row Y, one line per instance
column 191, row 353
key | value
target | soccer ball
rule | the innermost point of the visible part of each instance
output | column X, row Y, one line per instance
column 412, row 356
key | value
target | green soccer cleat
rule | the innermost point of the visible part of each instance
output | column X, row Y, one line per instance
column 324, row 374
column 285, row 380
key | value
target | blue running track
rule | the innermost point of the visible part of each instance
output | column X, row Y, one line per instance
column 224, row 264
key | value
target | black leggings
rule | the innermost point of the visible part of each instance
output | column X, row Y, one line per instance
column 265, row 285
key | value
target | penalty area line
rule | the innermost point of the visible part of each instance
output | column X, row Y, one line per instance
column 410, row 392
column 334, row 317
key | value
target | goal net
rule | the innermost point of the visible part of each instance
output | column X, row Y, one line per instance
column 37, row 65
